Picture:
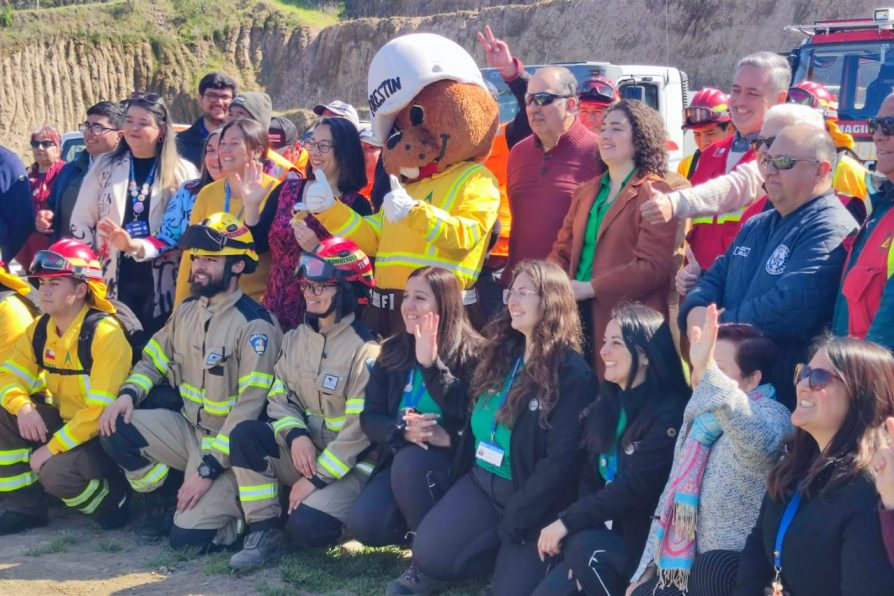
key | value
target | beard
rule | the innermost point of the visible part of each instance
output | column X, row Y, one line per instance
column 212, row 287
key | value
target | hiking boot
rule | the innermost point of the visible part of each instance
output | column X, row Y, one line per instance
column 117, row 516
column 259, row 548
column 13, row 522
column 412, row 582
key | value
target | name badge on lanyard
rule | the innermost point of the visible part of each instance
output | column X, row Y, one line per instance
column 488, row 451
column 137, row 229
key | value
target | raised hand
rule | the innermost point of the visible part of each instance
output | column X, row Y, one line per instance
column 497, row 53
column 426, row 334
column 702, row 341
column 305, row 237
column 112, row 233
column 397, row 203
column 658, row 209
column 319, row 195
column 249, row 186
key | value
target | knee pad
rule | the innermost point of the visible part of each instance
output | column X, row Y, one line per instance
column 250, row 443
column 307, row 527
column 124, row 446
column 181, row 537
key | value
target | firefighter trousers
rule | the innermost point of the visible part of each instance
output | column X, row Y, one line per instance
column 156, row 441
column 261, row 462
column 84, row 478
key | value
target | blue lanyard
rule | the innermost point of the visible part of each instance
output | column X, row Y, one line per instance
column 226, row 196
column 412, row 398
column 502, row 397
column 148, row 181
column 787, row 516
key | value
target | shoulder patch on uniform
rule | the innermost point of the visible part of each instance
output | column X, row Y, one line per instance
column 252, row 310
column 258, row 343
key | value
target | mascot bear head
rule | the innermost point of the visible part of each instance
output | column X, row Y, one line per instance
column 429, row 105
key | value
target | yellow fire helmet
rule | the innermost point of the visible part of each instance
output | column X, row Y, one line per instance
column 221, row 234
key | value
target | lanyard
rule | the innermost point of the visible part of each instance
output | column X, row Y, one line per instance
column 134, row 197
column 502, row 398
column 412, row 398
column 227, row 200
column 787, row 516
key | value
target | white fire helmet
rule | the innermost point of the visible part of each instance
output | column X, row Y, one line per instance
column 406, row 64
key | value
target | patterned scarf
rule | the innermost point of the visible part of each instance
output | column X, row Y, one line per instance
column 677, row 524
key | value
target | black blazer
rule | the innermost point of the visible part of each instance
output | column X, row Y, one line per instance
column 545, row 461
column 645, row 457
column 833, row 546
column 384, row 391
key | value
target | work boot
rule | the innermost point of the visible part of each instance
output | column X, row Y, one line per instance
column 259, row 548
column 117, row 515
column 412, row 582
column 13, row 522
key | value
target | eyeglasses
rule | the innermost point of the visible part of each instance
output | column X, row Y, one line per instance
column 521, row 295
column 313, row 288
column 817, row 378
column 802, row 97
column 700, row 115
column 886, row 124
column 217, row 96
column 95, row 129
column 756, row 143
column 783, row 162
column 321, row 146
column 543, row 98
column 42, row 144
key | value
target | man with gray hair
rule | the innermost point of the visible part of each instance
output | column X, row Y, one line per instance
column 546, row 167
column 761, row 81
column 781, row 272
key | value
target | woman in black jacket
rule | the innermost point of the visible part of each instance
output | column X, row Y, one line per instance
column 521, row 450
column 821, row 505
column 629, row 434
column 414, row 407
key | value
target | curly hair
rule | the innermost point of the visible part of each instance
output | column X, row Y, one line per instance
column 649, row 136
column 557, row 333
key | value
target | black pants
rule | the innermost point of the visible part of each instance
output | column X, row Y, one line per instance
column 396, row 499
column 713, row 574
column 459, row 537
column 598, row 559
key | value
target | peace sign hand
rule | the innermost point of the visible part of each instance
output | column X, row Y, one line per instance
column 496, row 52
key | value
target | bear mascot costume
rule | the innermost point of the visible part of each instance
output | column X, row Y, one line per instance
column 437, row 122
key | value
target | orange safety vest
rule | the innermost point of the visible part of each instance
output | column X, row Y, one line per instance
column 497, row 162
column 709, row 237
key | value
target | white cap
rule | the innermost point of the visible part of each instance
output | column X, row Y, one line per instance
column 342, row 108
column 400, row 70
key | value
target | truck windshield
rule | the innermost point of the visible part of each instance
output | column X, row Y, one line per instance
column 860, row 74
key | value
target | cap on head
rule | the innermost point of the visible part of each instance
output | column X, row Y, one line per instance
column 282, row 132
column 340, row 108
column 257, row 104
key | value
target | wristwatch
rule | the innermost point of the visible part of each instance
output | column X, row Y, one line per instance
column 205, row 471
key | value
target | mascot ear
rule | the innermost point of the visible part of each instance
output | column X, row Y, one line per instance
column 417, row 115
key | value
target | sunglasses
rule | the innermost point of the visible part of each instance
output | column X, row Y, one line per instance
column 42, row 144
column 783, row 162
column 699, row 115
column 817, row 378
column 544, row 98
column 756, row 143
column 886, row 124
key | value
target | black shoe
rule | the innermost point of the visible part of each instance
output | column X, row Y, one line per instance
column 116, row 516
column 412, row 582
column 13, row 522
column 260, row 547
column 156, row 514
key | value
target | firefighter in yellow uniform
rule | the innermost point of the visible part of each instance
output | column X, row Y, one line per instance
column 314, row 444
column 17, row 309
column 218, row 348
column 55, row 381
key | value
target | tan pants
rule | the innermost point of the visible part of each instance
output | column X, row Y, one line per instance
column 174, row 443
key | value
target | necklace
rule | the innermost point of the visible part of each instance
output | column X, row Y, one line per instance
column 139, row 196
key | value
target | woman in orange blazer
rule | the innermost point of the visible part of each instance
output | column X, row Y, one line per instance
column 611, row 254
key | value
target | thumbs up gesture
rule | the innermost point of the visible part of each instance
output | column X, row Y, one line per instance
column 658, row 209
column 319, row 196
column 397, row 203
column 688, row 275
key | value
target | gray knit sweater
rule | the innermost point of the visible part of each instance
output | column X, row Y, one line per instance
column 735, row 479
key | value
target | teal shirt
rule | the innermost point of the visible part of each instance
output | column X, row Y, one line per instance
column 415, row 391
column 597, row 213
column 482, row 422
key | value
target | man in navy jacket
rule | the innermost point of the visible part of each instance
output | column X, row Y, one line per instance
column 781, row 272
column 16, row 209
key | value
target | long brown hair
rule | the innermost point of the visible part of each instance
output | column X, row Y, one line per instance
column 457, row 340
column 166, row 150
column 557, row 333
column 867, row 373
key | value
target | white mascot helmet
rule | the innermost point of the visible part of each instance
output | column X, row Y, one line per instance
column 404, row 65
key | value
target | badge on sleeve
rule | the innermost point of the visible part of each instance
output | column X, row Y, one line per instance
column 258, row 343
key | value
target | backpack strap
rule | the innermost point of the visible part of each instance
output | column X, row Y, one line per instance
column 39, row 340
column 85, row 343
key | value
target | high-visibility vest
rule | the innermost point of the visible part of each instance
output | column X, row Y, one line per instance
column 864, row 282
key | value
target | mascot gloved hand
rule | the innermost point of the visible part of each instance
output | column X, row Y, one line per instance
column 319, row 196
column 397, row 203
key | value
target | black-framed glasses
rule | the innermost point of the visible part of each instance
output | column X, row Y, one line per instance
column 95, row 129
column 886, row 124
column 543, row 98
column 817, row 378
column 42, row 144
column 321, row 146
column 783, row 162
column 756, row 143
column 217, row 96
column 312, row 287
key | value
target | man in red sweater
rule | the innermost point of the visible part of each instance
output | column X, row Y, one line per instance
column 546, row 167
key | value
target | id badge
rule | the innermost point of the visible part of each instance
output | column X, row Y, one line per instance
column 490, row 454
column 137, row 229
